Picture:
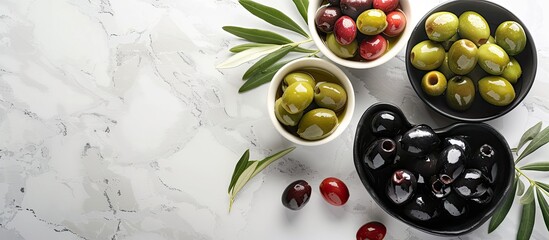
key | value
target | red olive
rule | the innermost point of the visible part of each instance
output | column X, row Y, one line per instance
column 373, row 48
column 326, row 17
column 296, row 195
column 386, row 5
column 371, row 231
column 345, row 30
column 396, row 22
column 334, row 191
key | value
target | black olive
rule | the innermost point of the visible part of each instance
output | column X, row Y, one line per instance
column 419, row 140
column 484, row 159
column 424, row 167
column 422, row 208
column 470, row 184
column 386, row 124
column 381, row 152
column 454, row 205
column 401, row 186
column 450, row 164
column 438, row 188
column 296, row 195
column 459, row 141
column 484, row 198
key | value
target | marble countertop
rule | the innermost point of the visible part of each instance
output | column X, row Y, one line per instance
column 115, row 124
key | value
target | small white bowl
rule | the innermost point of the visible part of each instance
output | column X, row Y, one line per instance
column 314, row 63
column 393, row 51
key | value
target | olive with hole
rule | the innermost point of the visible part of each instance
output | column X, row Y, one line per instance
column 380, row 153
column 427, row 55
column 317, row 124
column 297, row 77
column 284, row 116
column 460, row 93
column 326, row 17
column 474, row 27
column 513, row 71
column 297, row 97
column 451, row 164
column 433, row 83
column 492, row 58
column 511, row 37
column 496, row 90
column 441, row 26
column 342, row 51
column 371, row 22
column 462, row 57
column 330, row 95
column 445, row 68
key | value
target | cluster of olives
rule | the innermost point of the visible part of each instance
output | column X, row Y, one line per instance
column 429, row 177
column 469, row 47
column 311, row 105
column 362, row 26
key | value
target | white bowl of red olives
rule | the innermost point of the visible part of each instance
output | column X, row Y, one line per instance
column 310, row 101
column 471, row 60
column 360, row 34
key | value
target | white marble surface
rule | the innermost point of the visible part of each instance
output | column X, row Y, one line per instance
column 115, row 124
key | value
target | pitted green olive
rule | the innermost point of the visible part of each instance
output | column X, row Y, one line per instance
column 284, row 116
column 462, row 57
column 330, row 95
column 433, row 83
column 474, row 27
column 297, row 97
column 317, row 124
column 492, row 58
column 427, row 55
column 460, row 93
column 496, row 90
column 297, row 77
column 511, row 37
column 441, row 26
column 513, row 71
column 342, row 51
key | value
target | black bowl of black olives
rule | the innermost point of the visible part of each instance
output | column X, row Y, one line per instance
column 445, row 181
column 471, row 60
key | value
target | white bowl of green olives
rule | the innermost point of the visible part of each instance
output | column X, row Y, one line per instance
column 310, row 101
column 471, row 60
column 360, row 34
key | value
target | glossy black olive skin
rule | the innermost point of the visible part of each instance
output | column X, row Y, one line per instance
column 424, row 167
column 484, row 198
column 451, row 164
column 438, row 188
column 459, row 141
column 386, row 124
column 484, row 159
column 381, row 153
column 422, row 207
column 471, row 184
column 454, row 205
column 401, row 186
column 296, row 195
column 419, row 140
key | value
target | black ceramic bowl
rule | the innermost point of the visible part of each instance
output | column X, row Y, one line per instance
column 477, row 134
column 480, row 110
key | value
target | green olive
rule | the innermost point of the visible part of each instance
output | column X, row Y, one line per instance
column 513, row 71
column 448, row 43
column 317, row 124
column 491, row 40
column 462, row 57
column 371, row 22
column 511, row 36
column 427, row 55
column 445, row 69
column 298, row 77
column 284, row 116
column 441, row 26
column 434, row 83
column 473, row 27
column 297, row 97
column 492, row 58
column 330, row 95
column 496, row 90
column 460, row 93
column 342, row 51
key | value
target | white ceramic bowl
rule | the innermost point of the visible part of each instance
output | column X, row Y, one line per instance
column 393, row 51
column 314, row 63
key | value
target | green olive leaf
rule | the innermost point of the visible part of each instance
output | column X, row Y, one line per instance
column 246, row 46
column 267, row 60
column 262, row 77
column 241, row 181
column 272, row 16
column 239, row 168
column 543, row 186
column 528, row 196
column 538, row 166
column 304, row 50
column 527, row 221
column 257, row 35
column 248, row 55
column 502, row 211
column 529, row 135
column 521, row 188
column 544, row 207
column 302, row 6
column 539, row 140
column 268, row 160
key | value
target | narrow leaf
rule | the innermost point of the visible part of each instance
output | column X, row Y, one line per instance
column 267, row 61
column 262, row 77
column 246, row 46
column 268, row 160
column 239, row 168
column 521, row 188
column 302, row 6
column 528, row 196
column 304, row 50
column 543, row 186
column 538, row 166
column 527, row 221
column 244, row 178
column 502, row 211
column 529, row 135
column 539, row 140
column 247, row 55
column 272, row 16
column 544, row 207
column 257, row 35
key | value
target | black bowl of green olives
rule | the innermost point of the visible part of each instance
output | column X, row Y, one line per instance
column 445, row 181
column 471, row 60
